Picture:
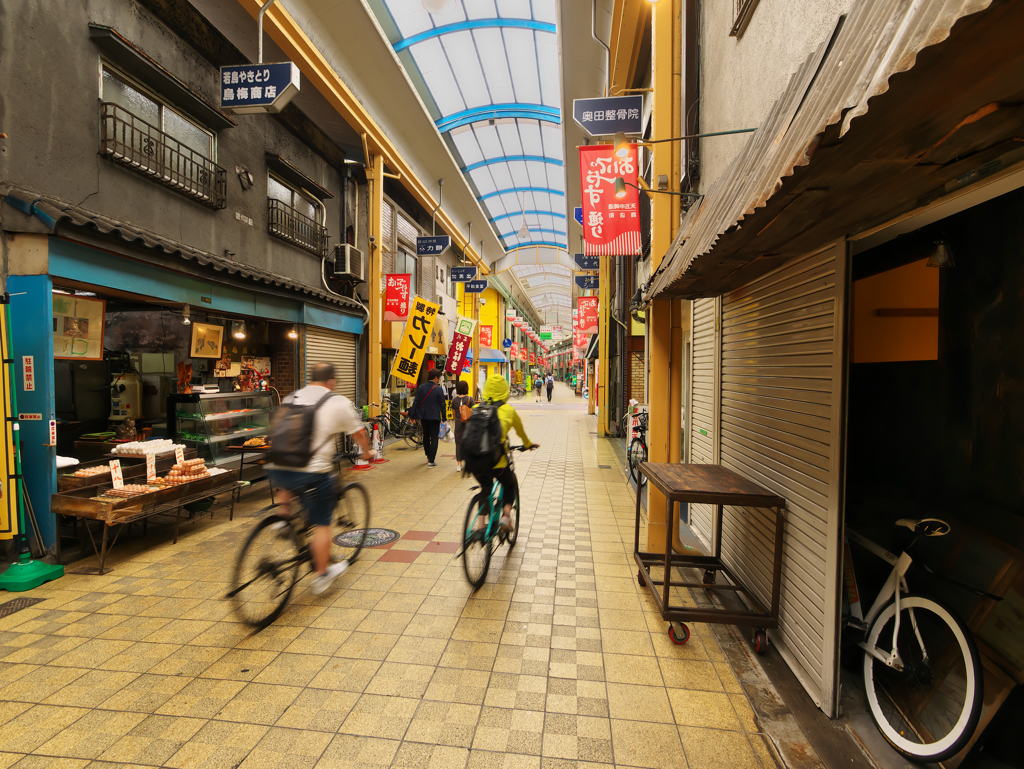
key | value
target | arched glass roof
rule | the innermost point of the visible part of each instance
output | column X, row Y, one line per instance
column 489, row 73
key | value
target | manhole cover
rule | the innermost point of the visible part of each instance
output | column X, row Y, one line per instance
column 374, row 537
column 7, row 609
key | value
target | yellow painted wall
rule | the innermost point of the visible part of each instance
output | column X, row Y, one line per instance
column 492, row 313
column 879, row 338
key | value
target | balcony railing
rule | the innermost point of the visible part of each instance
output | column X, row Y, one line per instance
column 298, row 229
column 144, row 148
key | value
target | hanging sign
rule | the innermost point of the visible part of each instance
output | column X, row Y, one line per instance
column 588, row 314
column 589, row 263
column 396, row 297
column 522, row 353
column 587, row 282
column 609, row 115
column 414, row 340
column 510, row 315
column 545, row 335
column 486, row 336
column 533, row 358
column 462, row 274
column 116, row 476
column 577, row 214
column 251, row 88
column 611, row 225
column 514, row 350
column 462, row 341
column 475, row 286
column 432, row 245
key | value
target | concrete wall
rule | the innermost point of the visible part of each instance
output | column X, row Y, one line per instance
column 741, row 78
column 49, row 109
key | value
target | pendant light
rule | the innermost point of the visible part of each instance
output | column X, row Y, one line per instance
column 238, row 329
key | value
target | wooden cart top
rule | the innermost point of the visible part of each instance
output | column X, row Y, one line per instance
column 710, row 484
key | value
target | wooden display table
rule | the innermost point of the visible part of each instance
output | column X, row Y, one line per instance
column 716, row 486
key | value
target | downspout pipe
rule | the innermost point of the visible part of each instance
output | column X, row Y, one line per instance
column 599, row 41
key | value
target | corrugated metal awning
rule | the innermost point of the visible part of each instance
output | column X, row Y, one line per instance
column 808, row 177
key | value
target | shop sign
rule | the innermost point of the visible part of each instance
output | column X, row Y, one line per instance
column 587, row 263
column 587, row 306
column 588, row 282
column 252, row 88
column 179, row 455
column 462, row 341
column 545, row 335
column 577, row 214
column 522, row 353
column 396, row 298
column 116, row 476
column 28, row 373
column 475, row 286
column 611, row 224
column 604, row 116
column 486, row 336
column 510, row 315
column 514, row 350
column 150, row 468
column 433, row 245
column 533, row 358
column 414, row 340
column 462, row 274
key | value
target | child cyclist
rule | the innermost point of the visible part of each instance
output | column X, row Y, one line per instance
column 496, row 391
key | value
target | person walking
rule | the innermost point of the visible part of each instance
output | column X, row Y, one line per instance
column 462, row 399
column 550, row 383
column 538, row 383
column 428, row 407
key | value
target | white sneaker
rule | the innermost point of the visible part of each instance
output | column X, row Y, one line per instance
column 282, row 529
column 322, row 582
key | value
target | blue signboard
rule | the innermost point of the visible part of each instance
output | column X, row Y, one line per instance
column 506, row 343
column 475, row 286
column 585, row 262
column 608, row 115
column 432, row 245
column 588, row 282
column 577, row 214
column 251, row 88
column 462, row 274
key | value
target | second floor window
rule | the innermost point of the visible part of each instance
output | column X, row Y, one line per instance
column 296, row 216
column 304, row 204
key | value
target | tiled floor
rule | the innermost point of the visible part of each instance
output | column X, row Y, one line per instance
column 558, row 661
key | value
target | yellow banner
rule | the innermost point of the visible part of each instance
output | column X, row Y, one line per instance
column 8, row 495
column 422, row 315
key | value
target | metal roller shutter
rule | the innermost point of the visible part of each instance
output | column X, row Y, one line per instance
column 780, row 425
column 703, row 399
column 337, row 348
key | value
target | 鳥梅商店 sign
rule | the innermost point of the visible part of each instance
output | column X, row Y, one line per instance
column 253, row 88
column 587, row 306
column 396, row 298
column 462, row 341
column 418, row 328
column 611, row 225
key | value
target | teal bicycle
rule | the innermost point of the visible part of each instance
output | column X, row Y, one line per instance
column 479, row 544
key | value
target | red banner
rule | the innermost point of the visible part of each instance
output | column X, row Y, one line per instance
column 486, row 336
column 514, row 350
column 611, row 225
column 588, row 314
column 533, row 359
column 522, row 353
column 462, row 343
column 396, row 300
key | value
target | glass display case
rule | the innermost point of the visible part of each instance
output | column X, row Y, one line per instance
column 211, row 422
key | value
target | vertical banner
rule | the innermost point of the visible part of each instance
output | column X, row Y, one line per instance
column 514, row 350
column 533, row 359
column 486, row 336
column 611, row 225
column 8, row 493
column 462, row 342
column 588, row 314
column 522, row 353
column 396, row 298
column 414, row 340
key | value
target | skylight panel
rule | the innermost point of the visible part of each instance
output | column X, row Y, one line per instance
column 520, row 176
column 545, row 10
column 490, row 46
column 552, row 136
column 509, row 135
column 523, row 57
column 464, row 62
column 467, row 145
column 538, row 174
column 502, row 178
column 483, row 180
column 433, row 65
column 487, row 135
column 410, row 17
column 515, row 9
column 547, row 56
column 480, row 9
column 529, row 135
column 556, row 178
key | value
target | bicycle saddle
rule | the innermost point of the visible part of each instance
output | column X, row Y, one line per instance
column 928, row 527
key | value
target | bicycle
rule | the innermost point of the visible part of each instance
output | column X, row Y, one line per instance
column 478, row 545
column 922, row 671
column 517, row 391
column 269, row 562
column 637, row 451
column 401, row 427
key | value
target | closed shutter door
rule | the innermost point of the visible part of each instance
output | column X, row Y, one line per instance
column 703, row 399
column 780, row 426
column 338, row 349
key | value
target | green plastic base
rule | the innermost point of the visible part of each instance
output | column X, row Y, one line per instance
column 25, row 576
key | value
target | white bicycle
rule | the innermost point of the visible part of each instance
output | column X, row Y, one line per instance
column 922, row 671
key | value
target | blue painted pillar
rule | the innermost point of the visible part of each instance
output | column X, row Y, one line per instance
column 32, row 334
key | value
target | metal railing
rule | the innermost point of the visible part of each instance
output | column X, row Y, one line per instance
column 286, row 223
column 144, row 148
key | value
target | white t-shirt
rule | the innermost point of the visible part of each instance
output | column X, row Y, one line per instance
column 336, row 415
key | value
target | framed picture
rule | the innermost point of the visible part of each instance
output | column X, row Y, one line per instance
column 207, row 340
column 78, row 325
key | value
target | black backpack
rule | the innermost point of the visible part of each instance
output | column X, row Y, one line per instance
column 481, row 444
column 291, row 434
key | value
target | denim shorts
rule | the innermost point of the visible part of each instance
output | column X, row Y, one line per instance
column 318, row 492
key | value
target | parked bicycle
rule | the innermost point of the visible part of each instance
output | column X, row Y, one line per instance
column 922, row 671
column 273, row 558
column 399, row 425
column 517, row 391
column 637, row 451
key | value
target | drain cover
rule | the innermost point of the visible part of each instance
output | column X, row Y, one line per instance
column 7, row 609
column 374, row 537
column 604, row 467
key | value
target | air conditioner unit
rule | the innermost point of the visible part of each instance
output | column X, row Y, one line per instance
column 349, row 262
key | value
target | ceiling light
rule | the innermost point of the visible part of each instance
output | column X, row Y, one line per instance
column 524, row 232
column 942, row 256
column 186, row 311
column 621, row 145
column 438, row 7
column 294, row 333
column 620, row 187
column 238, row 329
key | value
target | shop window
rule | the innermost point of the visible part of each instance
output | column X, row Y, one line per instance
column 896, row 315
column 296, row 216
column 148, row 135
column 407, row 263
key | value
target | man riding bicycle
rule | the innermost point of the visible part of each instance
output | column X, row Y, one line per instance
column 315, row 482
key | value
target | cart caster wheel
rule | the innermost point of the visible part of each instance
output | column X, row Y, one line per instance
column 640, row 578
column 681, row 636
column 709, row 577
column 760, row 641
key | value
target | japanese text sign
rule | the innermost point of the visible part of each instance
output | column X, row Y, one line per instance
column 250, row 88
column 150, row 468
column 514, row 350
column 414, row 340
column 585, row 262
column 179, row 455
column 462, row 274
column 522, row 353
column 588, row 282
column 577, row 214
column 533, row 358
column 462, row 342
column 588, row 314
column 116, row 476
column 608, row 115
column 611, row 225
column 486, row 336
column 475, row 286
column 396, row 298
column 432, row 245
column 28, row 373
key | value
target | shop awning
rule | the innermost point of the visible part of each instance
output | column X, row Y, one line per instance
column 592, row 348
column 905, row 103
column 54, row 213
column 489, row 355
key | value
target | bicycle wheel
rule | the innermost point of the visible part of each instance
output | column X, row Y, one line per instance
column 637, row 454
column 929, row 710
column 265, row 572
column 413, row 435
column 513, row 535
column 350, row 524
column 476, row 549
